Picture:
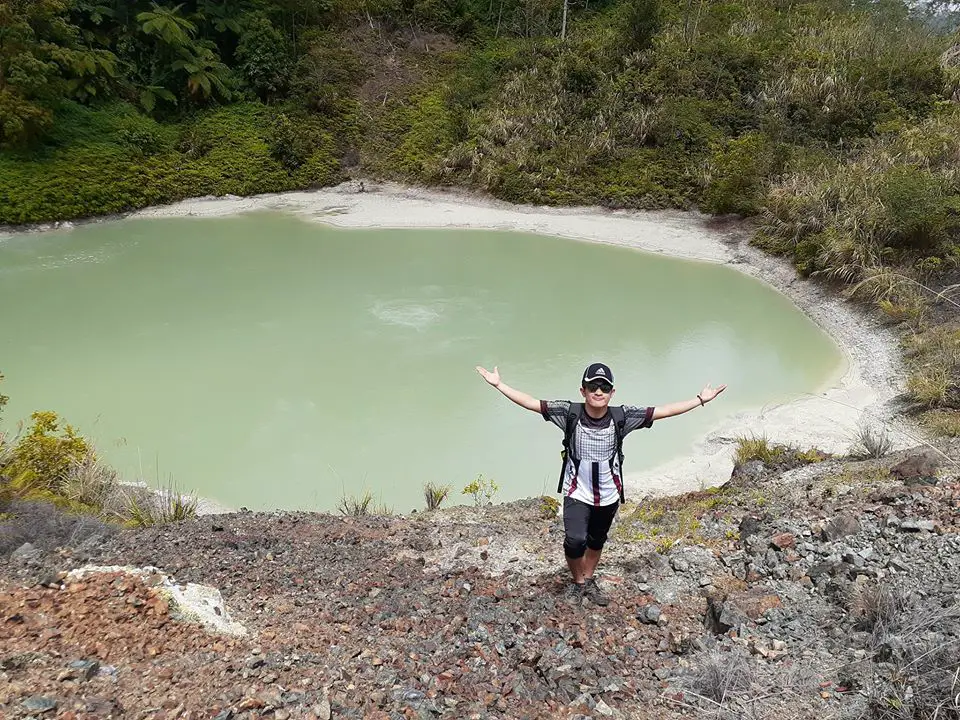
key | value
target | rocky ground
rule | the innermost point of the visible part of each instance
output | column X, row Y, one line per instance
column 825, row 590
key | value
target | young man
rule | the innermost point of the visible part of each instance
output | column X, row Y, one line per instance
column 591, row 479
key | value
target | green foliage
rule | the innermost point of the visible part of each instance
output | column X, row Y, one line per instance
column 934, row 368
column 46, row 452
column 263, row 57
column 736, row 176
column 919, row 212
column 640, row 21
column 43, row 60
column 828, row 120
column 482, row 490
column 893, row 202
column 167, row 24
column 131, row 162
column 549, row 505
column 757, row 448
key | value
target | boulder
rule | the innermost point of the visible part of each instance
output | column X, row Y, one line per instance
column 916, row 469
column 840, row 526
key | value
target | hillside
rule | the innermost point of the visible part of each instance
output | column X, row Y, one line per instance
column 828, row 590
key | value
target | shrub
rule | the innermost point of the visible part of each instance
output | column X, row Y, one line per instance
column 549, row 506
column 263, row 56
column 45, row 454
column 639, row 23
column 291, row 143
column 482, row 490
column 218, row 152
column 919, row 212
column 736, row 176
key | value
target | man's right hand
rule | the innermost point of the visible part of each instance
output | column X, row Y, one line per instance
column 491, row 377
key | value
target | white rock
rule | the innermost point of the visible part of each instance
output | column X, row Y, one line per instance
column 200, row 604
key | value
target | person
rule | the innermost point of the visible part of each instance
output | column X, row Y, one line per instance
column 591, row 480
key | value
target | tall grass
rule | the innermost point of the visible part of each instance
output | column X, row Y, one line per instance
column 757, row 448
column 434, row 495
column 164, row 506
column 361, row 505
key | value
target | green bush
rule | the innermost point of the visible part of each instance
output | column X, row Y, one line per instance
column 263, row 56
column 737, row 174
column 45, row 454
column 920, row 213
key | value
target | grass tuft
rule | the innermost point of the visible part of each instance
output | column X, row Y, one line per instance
column 434, row 495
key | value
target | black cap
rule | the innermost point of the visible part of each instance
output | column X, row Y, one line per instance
column 597, row 371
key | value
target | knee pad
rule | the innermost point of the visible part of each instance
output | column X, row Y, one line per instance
column 574, row 547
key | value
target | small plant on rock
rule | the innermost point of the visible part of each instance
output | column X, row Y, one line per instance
column 361, row 506
column 718, row 674
column 871, row 441
column 549, row 506
column 163, row 507
column 482, row 489
column 757, row 448
column 434, row 495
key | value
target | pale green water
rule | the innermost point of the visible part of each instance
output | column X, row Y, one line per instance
column 270, row 363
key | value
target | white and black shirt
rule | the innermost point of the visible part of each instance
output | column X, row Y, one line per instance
column 597, row 480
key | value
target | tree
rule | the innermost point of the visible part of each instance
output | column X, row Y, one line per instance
column 179, row 60
column 43, row 59
column 168, row 25
column 205, row 73
column 263, row 57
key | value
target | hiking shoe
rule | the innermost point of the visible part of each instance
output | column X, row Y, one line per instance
column 573, row 595
column 594, row 594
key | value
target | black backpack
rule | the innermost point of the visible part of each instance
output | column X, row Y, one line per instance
column 619, row 419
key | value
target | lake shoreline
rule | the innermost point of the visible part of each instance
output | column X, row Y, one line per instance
column 870, row 380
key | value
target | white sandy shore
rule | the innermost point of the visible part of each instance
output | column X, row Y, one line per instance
column 869, row 383
column 828, row 421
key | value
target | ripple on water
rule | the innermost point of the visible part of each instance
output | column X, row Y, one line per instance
column 406, row 313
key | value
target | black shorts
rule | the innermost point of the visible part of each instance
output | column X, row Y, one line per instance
column 585, row 526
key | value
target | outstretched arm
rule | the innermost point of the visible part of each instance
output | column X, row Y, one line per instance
column 678, row 408
column 520, row 398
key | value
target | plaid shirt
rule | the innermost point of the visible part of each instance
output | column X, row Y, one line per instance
column 597, row 479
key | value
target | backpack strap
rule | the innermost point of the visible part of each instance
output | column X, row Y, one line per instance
column 619, row 419
column 573, row 416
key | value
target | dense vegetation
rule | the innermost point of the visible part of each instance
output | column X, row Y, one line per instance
column 111, row 105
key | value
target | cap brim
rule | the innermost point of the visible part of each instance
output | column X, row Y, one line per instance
column 598, row 377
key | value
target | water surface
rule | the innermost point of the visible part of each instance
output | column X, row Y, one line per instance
column 268, row 362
